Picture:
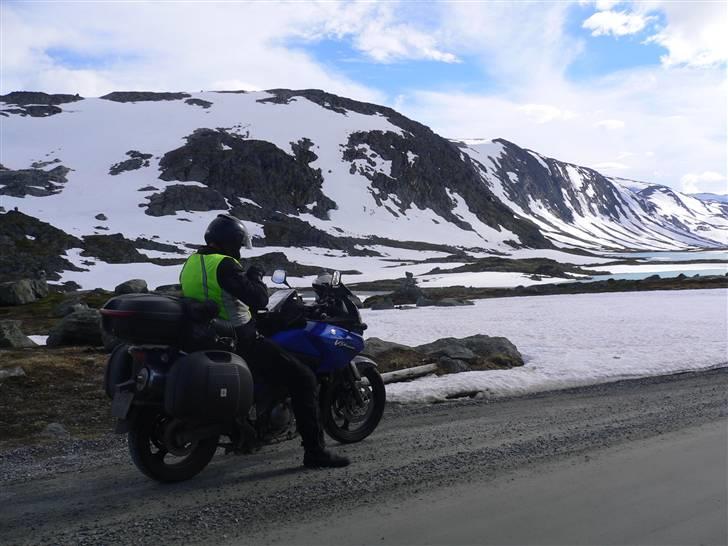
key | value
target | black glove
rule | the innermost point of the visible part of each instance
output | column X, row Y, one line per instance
column 255, row 273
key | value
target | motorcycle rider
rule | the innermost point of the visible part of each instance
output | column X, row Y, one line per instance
column 214, row 272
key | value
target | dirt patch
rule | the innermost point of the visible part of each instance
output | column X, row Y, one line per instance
column 59, row 386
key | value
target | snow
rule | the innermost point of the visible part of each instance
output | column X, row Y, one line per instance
column 657, row 268
column 567, row 341
column 39, row 340
column 484, row 279
column 637, row 227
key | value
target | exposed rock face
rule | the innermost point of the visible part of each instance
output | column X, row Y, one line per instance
column 278, row 260
column 136, row 160
column 114, row 249
column 180, row 197
column 198, row 102
column 534, row 266
column 133, row 286
column 35, row 104
column 530, row 181
column 148, row 244
column 12, row 337
column 251, row 169
column 141, row 96
column 78, row 328
column 33, row 182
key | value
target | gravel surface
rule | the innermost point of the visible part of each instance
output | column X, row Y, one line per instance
column 88, row 492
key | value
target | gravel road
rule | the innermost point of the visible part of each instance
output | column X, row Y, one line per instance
column 88, row 492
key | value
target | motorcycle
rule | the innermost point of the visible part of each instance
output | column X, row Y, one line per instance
column 178, row 389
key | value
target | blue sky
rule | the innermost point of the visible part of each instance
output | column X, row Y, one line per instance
column 635, row 89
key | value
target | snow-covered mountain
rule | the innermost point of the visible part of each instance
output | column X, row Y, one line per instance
column 135, row 176
column 577, row 206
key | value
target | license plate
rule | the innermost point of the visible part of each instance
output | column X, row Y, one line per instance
column 121, row 404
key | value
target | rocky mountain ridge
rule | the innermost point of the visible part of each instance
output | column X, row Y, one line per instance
column 304, row 169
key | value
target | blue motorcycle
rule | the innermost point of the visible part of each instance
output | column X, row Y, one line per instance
column 178, row 389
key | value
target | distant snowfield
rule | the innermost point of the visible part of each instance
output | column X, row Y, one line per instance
column 567, row 341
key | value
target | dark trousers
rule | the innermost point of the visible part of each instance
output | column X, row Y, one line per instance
column 273, row 365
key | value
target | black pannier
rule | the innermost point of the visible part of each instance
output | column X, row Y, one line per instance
column 155, row 319
column 209, row 385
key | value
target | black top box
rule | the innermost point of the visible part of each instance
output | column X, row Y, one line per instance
column 153, row 318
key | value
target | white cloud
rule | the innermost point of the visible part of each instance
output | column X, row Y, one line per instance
column 674, row 121
column 695, row 33
column 163, row 46
column 610, row 124
column 618, row 23
column 672, row 117
column 544, row 113
column 610, row 166
column 708, row 181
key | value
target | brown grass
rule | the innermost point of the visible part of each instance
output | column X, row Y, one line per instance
column 62, row 385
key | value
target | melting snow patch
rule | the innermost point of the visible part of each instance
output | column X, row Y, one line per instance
column 567, row 341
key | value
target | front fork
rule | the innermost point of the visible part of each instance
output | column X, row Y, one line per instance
column 355, row 380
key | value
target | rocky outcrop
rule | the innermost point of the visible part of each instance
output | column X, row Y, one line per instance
column 79, row 328
column 250, row 169
column 32, row 182
column 30, row 248
column 143, row 96
column 136, row 160
column 148, row 244
column 278, row 260
column 113, row 249
column 133, row 286
column 12, row 337
column 408, row 291
column 452, row 355
column 199, row 102
column 35, row 104
column 180, row 197
column 532, row 266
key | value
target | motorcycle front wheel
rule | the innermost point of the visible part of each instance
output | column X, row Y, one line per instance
column 150, row 449
column 347, row 419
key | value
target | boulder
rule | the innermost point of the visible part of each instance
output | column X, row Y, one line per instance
column 449, row 347
column 79, row 328
column 384, row 303
column 169, row 290
column 375, row 346
column 39, row 287
column 492, row 352
column 56, row 431
column 15, row 371
column 17, row 292
column 68, row 305
column 12, row 337
column 452, row 365
column 452, row 302
column 133, row 286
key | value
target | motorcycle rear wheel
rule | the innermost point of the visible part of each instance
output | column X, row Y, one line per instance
column 343, row 418
column 155, row 459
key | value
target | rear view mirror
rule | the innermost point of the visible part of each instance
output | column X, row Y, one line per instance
column 279, row 276
column 336, row 278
